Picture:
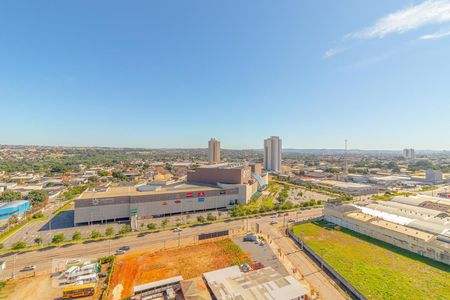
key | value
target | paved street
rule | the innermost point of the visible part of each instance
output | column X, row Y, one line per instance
column 44, row 258
column 311, row 272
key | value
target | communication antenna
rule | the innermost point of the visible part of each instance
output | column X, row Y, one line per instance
column 345, row 159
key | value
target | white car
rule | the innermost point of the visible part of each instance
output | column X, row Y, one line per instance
column 119, row 252
column 74, row 261
column 28, row 268
column 178, row 229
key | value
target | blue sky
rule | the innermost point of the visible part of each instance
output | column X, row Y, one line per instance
column 175, row 73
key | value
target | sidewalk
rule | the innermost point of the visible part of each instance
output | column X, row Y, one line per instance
column 299, row 265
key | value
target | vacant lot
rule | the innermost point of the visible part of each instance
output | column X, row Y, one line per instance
column 377, row 269
column 32, row 288
column 192, row 261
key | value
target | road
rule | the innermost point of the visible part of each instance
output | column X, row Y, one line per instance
column 311, row 272
column 43, row 258
column 46, row 259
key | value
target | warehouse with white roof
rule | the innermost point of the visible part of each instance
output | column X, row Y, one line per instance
column 406, row 222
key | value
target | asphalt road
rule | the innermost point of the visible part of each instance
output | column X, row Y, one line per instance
column 44, row 258
column 311, row 272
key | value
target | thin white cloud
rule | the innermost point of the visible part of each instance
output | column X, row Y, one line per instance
column 436, row 35
column 426, row 13
column 332, row 52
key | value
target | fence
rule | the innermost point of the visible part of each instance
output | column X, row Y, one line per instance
column 341, row 281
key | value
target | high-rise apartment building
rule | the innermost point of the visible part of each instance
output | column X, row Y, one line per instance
column 409, row 154
column 272, row 154
column 213, row 151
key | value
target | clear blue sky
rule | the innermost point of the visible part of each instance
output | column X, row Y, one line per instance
column 175, row 73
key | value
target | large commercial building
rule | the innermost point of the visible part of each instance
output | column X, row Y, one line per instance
column 13, row 208
column 213, row 151
column 434, row 176
column 272, row 154
column 416, row 223
column 206, row 188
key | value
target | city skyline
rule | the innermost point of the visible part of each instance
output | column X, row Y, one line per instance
column 155, row 75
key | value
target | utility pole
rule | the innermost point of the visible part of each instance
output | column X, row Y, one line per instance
column 179, row 238
column 14, row 267
column 109, row 247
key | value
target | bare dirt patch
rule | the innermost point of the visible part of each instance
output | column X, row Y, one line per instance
column 31, row 288
column 191, row 261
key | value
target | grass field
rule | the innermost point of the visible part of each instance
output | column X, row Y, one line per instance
column 377, row 269
column 191, row 261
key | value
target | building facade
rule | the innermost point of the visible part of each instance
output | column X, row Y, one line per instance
column 213, row 151
column 13, row 208
column 272, row 154
column 409, row 153
column 395, row 226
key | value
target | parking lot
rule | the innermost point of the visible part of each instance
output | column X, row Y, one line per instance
column 261, row 254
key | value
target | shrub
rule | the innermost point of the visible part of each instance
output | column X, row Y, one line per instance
column 151, row 226
column 125, row 229
column 210, row 217
column 109, row 231
column 18, row 245
column 201, row 219
column 106, row 259
column 95, row 234
column 38, row 215
column 76, row 236
column 58, row 238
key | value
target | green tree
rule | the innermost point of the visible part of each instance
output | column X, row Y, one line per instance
column 10, row 195
column 58, row 238
column 119, row 175
column 151, row 226
column 201, row 219
column 76, row 236
column 38, row 215
column 18, row 245
column 37, row 197
column 13, row 220
column 38, row 241
column 109, row 231
column 210, row 217
column 103, row 173
column 93, row 179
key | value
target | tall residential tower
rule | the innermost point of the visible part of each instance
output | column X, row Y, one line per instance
column 213, row 151
column 272, row 154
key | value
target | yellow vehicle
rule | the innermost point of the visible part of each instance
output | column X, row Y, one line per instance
column 79, row 290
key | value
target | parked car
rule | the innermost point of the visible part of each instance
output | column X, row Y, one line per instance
column 102, row 275
column 28, row 268
column 124, row 248
column 119, row 252
column 261, row 243
column 74, row 261
column 178, row 229
column 246, row 267
column 291, row 220
column 273, row 222
column 250, row 237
